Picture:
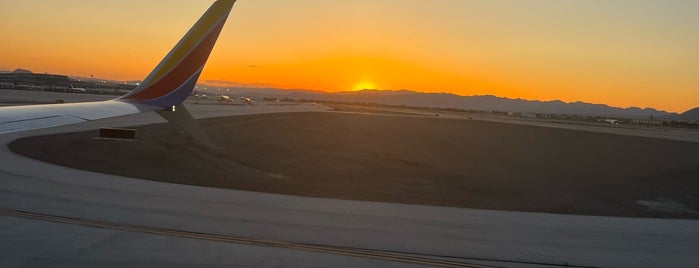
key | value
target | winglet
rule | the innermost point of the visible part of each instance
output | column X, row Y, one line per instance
column 173, row 80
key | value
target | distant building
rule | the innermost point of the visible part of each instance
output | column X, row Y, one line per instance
column 24, row 79
column 7, row 85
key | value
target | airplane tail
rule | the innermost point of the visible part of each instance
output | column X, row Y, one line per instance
column 174, row 78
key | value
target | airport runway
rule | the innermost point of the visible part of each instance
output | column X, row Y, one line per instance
column 499, row 238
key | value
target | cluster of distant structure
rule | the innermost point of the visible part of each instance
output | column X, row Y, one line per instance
column 440, row 102
column 26, row 80
column 552, row 117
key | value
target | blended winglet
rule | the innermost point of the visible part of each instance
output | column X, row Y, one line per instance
column 170, row 83
column 173, row 80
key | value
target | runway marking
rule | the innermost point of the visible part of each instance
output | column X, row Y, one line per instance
column 362, row 253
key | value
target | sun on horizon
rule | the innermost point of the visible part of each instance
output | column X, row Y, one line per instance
column 364, row 85
column 618, row 53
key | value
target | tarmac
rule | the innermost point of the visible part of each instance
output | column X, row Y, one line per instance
column 404, row 159
column 86, row 219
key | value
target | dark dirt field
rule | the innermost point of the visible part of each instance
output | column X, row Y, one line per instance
column 429, row 161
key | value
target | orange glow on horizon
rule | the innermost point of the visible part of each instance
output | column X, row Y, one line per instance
column 540, row 50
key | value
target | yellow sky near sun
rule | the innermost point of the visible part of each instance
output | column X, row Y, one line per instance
column 623, row 53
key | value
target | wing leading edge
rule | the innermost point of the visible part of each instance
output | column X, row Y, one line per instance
column 168, row 85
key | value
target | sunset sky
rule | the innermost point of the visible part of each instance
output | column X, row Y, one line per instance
column 621, row 53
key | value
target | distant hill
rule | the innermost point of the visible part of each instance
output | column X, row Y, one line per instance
column 691, row 115
column 22, row 71
column 447, row 100
column 437, row 100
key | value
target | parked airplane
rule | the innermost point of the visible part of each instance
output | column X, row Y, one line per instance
column 247, row 100
column 163, row 90
column 224, row 98
column 76, row 89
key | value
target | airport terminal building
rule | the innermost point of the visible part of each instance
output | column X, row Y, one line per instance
column 26, row 80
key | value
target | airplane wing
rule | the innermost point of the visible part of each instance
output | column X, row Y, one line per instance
column 163, row 90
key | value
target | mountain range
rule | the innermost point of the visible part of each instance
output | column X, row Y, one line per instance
column 437, row 100
column 480, row 103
